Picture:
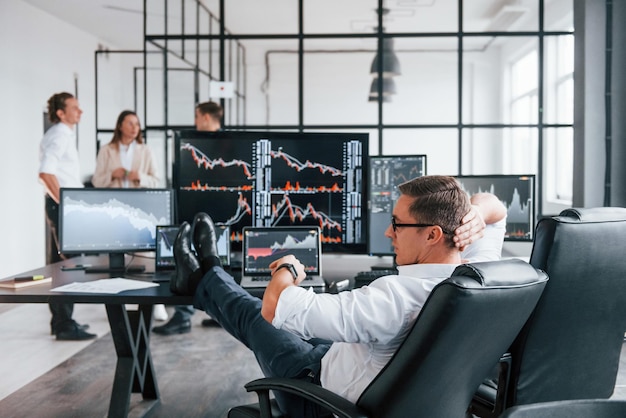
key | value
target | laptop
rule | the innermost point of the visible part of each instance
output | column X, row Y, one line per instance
column 164, row 251
column 262, row 245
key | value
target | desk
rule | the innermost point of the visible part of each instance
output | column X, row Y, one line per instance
column 130, row 329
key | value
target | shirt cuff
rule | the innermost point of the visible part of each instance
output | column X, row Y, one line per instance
column 48, row 167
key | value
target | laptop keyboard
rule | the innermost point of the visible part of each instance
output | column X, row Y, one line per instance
column 268, row 278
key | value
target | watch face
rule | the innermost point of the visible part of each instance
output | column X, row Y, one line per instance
column 293, row 271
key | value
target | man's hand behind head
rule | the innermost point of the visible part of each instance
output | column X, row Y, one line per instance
column 486, row 209
column 471, row 230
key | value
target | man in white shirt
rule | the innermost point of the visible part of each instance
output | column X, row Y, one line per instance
column 59, row 167
column 342, row 341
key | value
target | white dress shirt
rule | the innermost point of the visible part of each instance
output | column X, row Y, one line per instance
column 58, row 155
column 367, row 325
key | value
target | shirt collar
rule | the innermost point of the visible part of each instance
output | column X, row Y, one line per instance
column 427, row 270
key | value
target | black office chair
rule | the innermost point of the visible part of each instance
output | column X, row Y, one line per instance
column 585, row 408
column 570, row 347
column 468, row 321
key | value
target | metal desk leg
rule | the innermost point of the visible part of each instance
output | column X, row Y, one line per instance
column 134, row 372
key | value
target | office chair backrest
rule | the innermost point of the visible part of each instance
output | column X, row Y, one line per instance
column 570, row 347
column 466, row 324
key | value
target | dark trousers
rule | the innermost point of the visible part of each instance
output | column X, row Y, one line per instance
column 61, row 312
column 185, row 312
column 278, row 352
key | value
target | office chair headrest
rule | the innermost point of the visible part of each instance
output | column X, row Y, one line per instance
column 510, row 272
column 602, row 214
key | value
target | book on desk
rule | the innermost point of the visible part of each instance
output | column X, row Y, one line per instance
column 20, row 282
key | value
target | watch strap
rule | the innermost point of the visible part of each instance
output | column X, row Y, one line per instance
column 291, row 269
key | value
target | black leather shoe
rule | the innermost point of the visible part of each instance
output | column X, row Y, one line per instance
column 210, row 322
column 176, row 325
column 84, row 327
column 188, row 272
column 74, row 333
column 205, row 241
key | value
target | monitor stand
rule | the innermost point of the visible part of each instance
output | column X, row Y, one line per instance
column 116, row 266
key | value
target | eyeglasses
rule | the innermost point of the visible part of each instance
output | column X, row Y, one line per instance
column 396, row 225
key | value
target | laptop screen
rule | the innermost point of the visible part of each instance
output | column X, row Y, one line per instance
column 262, row 245
column 166, row 234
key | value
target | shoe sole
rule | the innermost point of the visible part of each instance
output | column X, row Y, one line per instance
column 75, row 339
column 182, row 331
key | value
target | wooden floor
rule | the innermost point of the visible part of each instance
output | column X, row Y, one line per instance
column 200, row 374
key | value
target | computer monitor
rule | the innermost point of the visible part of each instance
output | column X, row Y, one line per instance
column 516, row 192
column 386, row 173
column 166, row 236
column 276, row 179
column 112, row 221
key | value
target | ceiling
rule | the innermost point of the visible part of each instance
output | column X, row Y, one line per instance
column 119, row 23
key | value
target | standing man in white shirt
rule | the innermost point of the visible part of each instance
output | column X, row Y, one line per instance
column 341, row 341
column 59, row 167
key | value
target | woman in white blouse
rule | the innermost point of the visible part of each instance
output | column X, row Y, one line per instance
column 125, row 161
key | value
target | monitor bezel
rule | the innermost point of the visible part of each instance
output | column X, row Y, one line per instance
column 533, row 208
column 224, row 258
column 157, row 254
column 120, row 250
column 373, row 158
column 350, row 248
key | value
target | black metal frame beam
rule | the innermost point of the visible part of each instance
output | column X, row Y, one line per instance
column 225, row 38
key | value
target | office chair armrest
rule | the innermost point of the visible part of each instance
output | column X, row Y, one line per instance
column 490, row 398
column 334, row 403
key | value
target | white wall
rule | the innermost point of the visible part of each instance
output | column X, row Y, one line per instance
column 40, row 56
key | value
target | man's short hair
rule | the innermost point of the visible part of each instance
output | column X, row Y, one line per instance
column 211, row 108
column 55, row 103
column 438, row 200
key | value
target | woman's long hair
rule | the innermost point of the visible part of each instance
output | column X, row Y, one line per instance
column 117, row 133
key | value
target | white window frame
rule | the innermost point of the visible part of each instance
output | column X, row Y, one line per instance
column 521, row 141
column 559, row 142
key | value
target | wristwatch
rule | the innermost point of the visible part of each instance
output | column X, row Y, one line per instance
column 291, row 269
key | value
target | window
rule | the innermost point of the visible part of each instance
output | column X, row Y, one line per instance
column 480, row 87
column 521, row 149
column 558, row 135
column 559, row 139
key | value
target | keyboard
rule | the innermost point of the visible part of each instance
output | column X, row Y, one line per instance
column 268, row 278
column 363, row 278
